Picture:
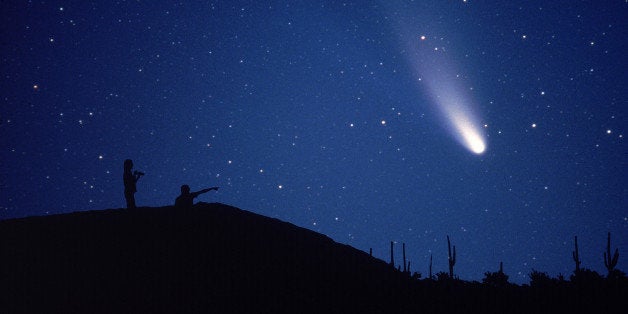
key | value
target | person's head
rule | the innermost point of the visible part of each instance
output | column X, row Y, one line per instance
column 185, row 189
column 128, row 165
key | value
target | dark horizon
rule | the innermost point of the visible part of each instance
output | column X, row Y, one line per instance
column 215, row 257
column 398, row 254
column 500, row 125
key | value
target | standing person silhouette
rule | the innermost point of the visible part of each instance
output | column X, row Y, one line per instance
column 186, row 199
column 130, row 180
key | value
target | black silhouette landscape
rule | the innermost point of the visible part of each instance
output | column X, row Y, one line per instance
column 215, row 258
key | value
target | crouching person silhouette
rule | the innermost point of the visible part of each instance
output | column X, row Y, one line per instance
column 186, row 199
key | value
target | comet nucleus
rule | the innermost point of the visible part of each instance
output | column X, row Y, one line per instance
column 469, row 134
column 461, row 121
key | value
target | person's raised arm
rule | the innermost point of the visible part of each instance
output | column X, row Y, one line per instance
column 209, row 189
column 197, row 193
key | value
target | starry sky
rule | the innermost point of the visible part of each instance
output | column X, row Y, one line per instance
column 498, row 123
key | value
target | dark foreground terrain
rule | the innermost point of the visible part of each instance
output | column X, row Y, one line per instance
column 219, row 259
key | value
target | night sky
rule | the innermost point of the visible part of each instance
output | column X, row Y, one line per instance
column 498, row 123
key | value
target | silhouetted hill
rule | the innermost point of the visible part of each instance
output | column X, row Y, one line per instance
column 220, row 259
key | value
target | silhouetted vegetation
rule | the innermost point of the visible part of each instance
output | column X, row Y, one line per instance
column 442, row 276
column 451, row 259
column 216, row 258
column 610, row 262
column 496, row 279
column 541, row 280
column 430, row 273
column 575, row 255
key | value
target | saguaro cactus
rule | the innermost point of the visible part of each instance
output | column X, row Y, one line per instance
column 451, row 258
column 576, row 257
column 431, row 277
column 392, row 256
column 403, row 245
column 609, row 262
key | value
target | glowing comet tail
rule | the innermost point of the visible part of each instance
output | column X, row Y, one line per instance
column 457, row 113
column 434, row 65
column 448, row 93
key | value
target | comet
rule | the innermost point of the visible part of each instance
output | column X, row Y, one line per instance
column 458, row 115
column 469, row 134
column 449, row 92
column 434, row 52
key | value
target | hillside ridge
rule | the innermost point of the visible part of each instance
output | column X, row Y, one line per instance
column 151, row 258
column 218, row 258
